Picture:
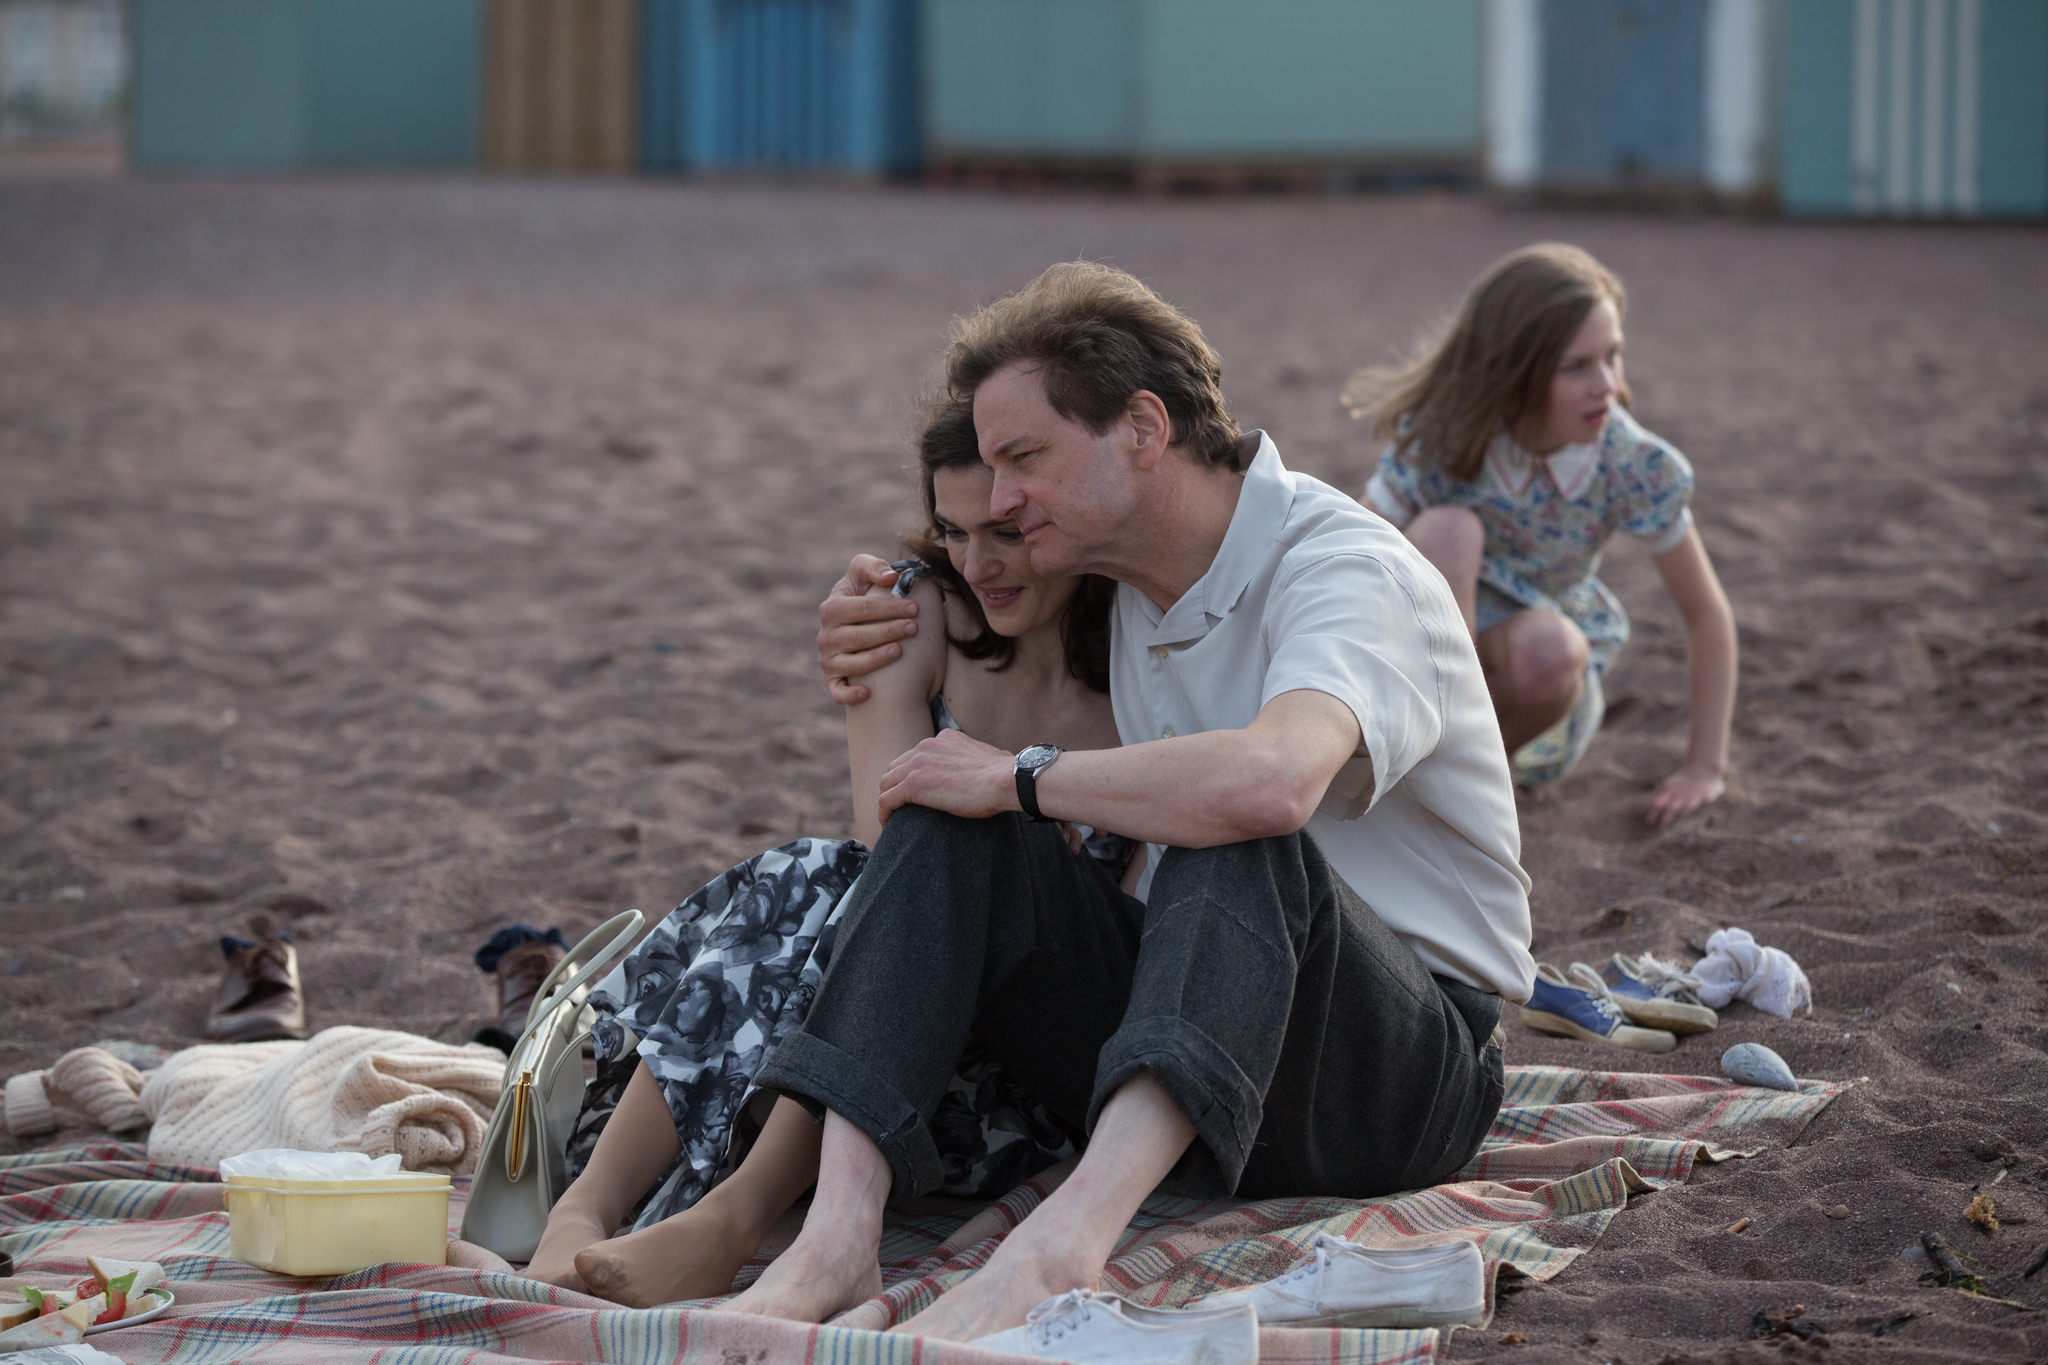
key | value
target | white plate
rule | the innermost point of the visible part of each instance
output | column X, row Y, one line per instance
column 164, row 1299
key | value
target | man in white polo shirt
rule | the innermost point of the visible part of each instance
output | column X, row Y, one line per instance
column 1304, row 994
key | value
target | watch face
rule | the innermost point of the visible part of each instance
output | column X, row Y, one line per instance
column 1037, row 756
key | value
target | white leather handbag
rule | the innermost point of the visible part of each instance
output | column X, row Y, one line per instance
column 521, row 1170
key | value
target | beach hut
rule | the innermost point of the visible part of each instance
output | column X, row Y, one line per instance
column 278, row 84
column 1629, row 96
column 561, row 85
column 780, row 86
column 1911, row 108
column 63, row 66
column 1196, row 92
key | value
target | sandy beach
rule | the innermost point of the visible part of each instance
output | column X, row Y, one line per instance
column 404, row 558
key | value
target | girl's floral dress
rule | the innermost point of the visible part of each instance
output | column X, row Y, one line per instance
column 1548, row 520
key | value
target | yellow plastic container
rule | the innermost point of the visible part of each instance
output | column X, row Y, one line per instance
column 331, row 1227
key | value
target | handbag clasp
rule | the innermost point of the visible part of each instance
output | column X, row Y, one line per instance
column 522, row 1106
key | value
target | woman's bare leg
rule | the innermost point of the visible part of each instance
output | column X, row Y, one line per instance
column 833, row 1264
column 1535, row 665
column 1065, row 1242
column 638, row 1143
column 1453, row 539
column 696, row 1253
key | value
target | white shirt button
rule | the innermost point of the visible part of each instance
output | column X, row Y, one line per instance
column 1159, row 651
column 1167, row 733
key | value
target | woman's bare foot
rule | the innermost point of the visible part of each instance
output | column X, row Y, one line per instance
column 693, row 1255
column 827, row 1270
column 569, row 1230
column 1020, row 1276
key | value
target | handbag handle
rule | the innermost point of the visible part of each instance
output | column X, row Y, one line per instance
column 619, row 930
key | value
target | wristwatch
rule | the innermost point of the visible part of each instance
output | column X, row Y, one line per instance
column 1030, row 763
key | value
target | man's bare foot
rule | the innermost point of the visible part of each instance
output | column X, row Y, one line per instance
column 693, row 1255
column 825, row 1271
column 1019, row 1277
column 569, row 1230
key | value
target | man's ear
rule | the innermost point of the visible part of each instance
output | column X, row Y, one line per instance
column 1151, row 428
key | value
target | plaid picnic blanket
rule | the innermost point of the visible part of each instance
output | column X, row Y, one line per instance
column 1567, row 1151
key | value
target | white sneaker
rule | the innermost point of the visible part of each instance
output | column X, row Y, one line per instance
column 1343, row 1284
column 1101, row 1329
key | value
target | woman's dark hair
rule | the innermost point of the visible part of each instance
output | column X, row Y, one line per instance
column 948, row 442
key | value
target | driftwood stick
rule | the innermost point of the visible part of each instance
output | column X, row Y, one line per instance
column 1947, row 1268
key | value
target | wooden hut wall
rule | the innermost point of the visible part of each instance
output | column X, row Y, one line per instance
column 561, row 85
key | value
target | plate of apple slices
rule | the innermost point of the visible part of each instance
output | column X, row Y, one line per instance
column 117, row 1294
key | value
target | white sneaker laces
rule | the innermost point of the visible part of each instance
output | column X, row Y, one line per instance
column 1586, row 980
column 1667, row 980
column 1059, row 1315
column 1318, row 1259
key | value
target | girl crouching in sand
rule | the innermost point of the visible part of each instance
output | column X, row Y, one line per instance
column 692, row 1015
column 1514, row 461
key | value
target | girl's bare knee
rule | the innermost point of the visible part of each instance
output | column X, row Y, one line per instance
column 1547, row 657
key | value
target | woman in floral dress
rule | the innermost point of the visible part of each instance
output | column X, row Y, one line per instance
column 1514, row 463
column 673, row 1130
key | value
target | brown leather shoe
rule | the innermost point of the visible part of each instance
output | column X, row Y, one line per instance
column 519, row 974
column 259, row 993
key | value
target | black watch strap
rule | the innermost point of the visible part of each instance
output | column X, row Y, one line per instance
column 1030, row 763
column 1027, row 794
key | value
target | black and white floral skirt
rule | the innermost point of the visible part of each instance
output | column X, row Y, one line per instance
column 706, row 998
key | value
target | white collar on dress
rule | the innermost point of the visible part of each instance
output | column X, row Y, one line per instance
column 1571, row 467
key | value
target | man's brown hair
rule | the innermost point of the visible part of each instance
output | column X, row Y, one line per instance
column 1493, row 365
column 1097, row 335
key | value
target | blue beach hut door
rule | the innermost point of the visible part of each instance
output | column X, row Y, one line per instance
column 782, row 99
column 782, row 85
column 1622, row 92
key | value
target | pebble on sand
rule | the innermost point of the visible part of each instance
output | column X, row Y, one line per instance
column 1755, row 1064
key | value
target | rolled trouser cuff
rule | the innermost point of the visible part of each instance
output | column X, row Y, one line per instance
column 1208, row 1088
column 819, row 1076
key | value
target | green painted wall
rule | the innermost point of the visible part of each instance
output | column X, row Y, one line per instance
column 218, row 83
column 1818, row 78
column 276, row 84
column 393, row 82
column 1817, row 103
column 1311, row 78
column 1196, row 79
column 2012, row 166
column 1032, row 77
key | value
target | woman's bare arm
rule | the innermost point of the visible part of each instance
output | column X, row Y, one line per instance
column 858, row 628
column 897, row 711
column 1710, row 677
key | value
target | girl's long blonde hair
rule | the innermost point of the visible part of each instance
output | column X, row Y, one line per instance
column 1492, row 367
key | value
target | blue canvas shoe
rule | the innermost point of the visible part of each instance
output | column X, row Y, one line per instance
column 1574, row 1011
column 1655, row 993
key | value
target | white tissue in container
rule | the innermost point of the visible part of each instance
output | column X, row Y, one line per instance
column 329, row 1213
column 282, row 1163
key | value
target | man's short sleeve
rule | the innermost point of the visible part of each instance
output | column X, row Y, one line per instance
column 1347, row 625
column 1654, row 483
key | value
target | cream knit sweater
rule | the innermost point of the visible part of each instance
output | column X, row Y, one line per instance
column 343, row 1090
